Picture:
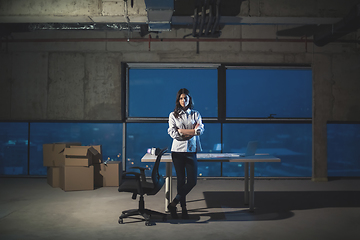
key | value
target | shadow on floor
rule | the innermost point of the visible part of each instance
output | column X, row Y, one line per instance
column 275, row 205
column 225, row 205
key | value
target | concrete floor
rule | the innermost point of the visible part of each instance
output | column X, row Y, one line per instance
column 284, row 209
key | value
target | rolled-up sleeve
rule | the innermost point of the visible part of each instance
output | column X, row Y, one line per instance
column 173, row 130
column 200, row 129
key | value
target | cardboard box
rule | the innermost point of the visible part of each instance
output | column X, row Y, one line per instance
column 108, row 175
column 77, row 157
column 76, row 178
column 81, row 156
column 98, row 157
column 53, row 176
column 52, row 153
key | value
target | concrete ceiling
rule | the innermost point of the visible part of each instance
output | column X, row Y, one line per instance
column 205, row 17
column 120, row 11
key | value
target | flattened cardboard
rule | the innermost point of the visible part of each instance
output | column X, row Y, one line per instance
column 53, row 176
column 108, row 175
column 76, row 178
column 96, row 151
column 52, row 153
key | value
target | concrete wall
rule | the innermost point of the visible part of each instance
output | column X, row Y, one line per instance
column 80, row 79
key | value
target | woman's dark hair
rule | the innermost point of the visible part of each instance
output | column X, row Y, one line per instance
column 178, row 107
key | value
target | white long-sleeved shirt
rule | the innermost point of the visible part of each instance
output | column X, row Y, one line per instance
column 187, row 120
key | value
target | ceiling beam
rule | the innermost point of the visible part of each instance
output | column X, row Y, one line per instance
column 176, row 20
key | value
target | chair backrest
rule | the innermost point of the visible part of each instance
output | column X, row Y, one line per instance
column 157, row 179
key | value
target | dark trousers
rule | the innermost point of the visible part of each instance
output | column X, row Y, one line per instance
column 185, row 163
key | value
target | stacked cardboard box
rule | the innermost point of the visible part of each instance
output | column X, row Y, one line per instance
column 53, row 159
column 74, row 167
column 70, row 165
column 52, row 153
column 77, row 170
column 108, row 174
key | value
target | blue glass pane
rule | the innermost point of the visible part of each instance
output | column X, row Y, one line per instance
column 343, row 144
column 152, row 92
column 292, row 143
column 109, row 135
column 141, row 136
column 257, row 93
column 14, row 148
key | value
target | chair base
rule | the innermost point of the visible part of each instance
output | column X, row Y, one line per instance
column 145, row 213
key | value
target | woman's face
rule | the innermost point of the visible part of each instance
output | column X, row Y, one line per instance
column 184, row 100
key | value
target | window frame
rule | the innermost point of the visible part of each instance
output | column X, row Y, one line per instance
column 221, row 118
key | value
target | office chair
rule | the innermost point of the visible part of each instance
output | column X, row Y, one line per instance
column 136, row 183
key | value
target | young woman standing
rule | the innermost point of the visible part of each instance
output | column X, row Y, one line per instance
column 185, row 126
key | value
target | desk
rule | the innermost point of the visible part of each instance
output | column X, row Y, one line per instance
column 217, row 157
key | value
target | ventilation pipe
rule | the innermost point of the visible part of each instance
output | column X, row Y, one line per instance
column 217, row 19
column 206, row 19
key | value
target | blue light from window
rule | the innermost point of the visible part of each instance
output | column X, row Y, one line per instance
column 257, row 93
column 292, row 143
column 14, row 148
column 343, row 144
column 109, row 135
column 152, row 92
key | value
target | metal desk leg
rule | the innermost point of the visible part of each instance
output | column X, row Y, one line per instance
column 168, row 185
column 246, row 178
column 251, row 187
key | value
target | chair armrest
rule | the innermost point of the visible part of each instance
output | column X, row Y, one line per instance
column 141, row 168
column 142, row 172
column 136, row 174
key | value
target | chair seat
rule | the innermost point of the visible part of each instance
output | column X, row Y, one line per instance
column 129, row 185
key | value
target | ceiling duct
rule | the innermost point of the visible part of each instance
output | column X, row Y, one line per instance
column 348, row 24
column 206, row 19
column 159, row 14
column 84, row 26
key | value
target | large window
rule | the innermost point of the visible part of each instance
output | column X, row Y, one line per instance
column 257, row 93
column 152, row 92
column 250, row 94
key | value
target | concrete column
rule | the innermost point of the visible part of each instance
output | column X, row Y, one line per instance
column 322, row 112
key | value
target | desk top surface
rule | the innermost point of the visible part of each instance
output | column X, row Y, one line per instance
column 218, row 157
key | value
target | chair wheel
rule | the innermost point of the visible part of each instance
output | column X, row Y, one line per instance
column 147, row 223
column 121, row 221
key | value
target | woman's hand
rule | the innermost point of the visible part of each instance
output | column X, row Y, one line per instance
column 186, row 132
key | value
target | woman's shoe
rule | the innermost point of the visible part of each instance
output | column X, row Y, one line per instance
column 173, row 211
